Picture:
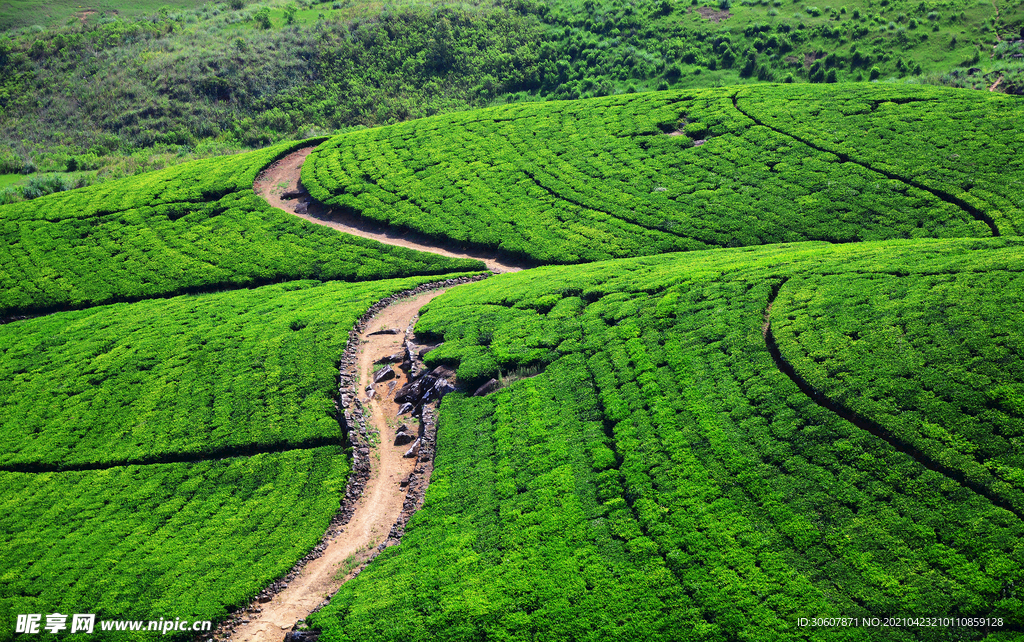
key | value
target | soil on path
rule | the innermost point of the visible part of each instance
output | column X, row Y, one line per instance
column 380, row 505
column 283, row 177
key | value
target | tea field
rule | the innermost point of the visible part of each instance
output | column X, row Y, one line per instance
column 192, row 227
column 569, row 182
column 663, row 479
column 171, row 456
column 768, row 369
column 189, row 539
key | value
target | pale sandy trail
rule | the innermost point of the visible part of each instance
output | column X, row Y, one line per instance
column 381, row 503
column 283, row 176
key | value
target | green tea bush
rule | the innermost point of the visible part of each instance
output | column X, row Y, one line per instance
column 191, row 227
column 189, row 540
column 567, row 182
column 962, row 146
column 664, row 479
column 186, row 377
column 933, row 358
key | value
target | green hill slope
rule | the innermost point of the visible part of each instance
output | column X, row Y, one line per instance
column 190, row 540
column 567, row 182
column 192, row 227
column 934, row 359
column 181, row 378
column 226, row 404
column 664, row 479
column 170, row 81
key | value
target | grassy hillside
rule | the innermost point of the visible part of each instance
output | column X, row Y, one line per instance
column 663, row 478
column 634, row 175
column 813, row 411
column 161, row 81
column 19, row 13
column 190, row 540
column 186, row 387
column 192, row 227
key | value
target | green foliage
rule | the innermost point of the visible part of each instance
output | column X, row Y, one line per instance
column 41, row 185
column 963, row 145
column 935, row 359
column 663, row 479
column 262, row 18
column 155, row 76
column 181, row 80
column 193, row 380
column 187, row 228
column 189, row 540
column 187, row 376
column 589, row 180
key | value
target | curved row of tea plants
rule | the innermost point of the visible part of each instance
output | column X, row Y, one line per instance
column 963, row 144
column 180, row 385
column 568, row 182
column 195, row 226
column 935, row 359
column 184, row 377
column 662, row 479
column 188, row 540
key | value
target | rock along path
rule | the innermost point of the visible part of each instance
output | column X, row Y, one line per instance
column 283, row 177
column 381, row 503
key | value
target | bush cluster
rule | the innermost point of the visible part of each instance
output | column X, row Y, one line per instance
column 620, row 176
column 191, row 227
column 664, row 475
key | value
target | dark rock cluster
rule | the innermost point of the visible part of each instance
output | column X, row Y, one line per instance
column 354, row 429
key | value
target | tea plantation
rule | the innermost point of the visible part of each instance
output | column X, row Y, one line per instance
column 187, row 386
column 637, row 175
column 770, row 371
column 189, row 376
column 663, row 479
column 187, row 539
column 191, row 227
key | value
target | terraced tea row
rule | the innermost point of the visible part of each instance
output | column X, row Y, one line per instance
column 196, row 226
column 88, row 393
column 136, row 383
column 143, row 542
column 661, row 478
column 962, row 146
column 935, row 359
column 567, row 182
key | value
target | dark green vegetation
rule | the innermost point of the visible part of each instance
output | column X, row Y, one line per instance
column 663, row 479
column 162, row 81
column 195, row 226
column 625, row 175
column 196, row 380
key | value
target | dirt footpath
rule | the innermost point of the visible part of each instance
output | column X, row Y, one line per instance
column 283, row 177
column 380, row 505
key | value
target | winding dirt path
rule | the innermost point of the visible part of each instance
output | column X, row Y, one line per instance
column 380, row 505
column 283, row 176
